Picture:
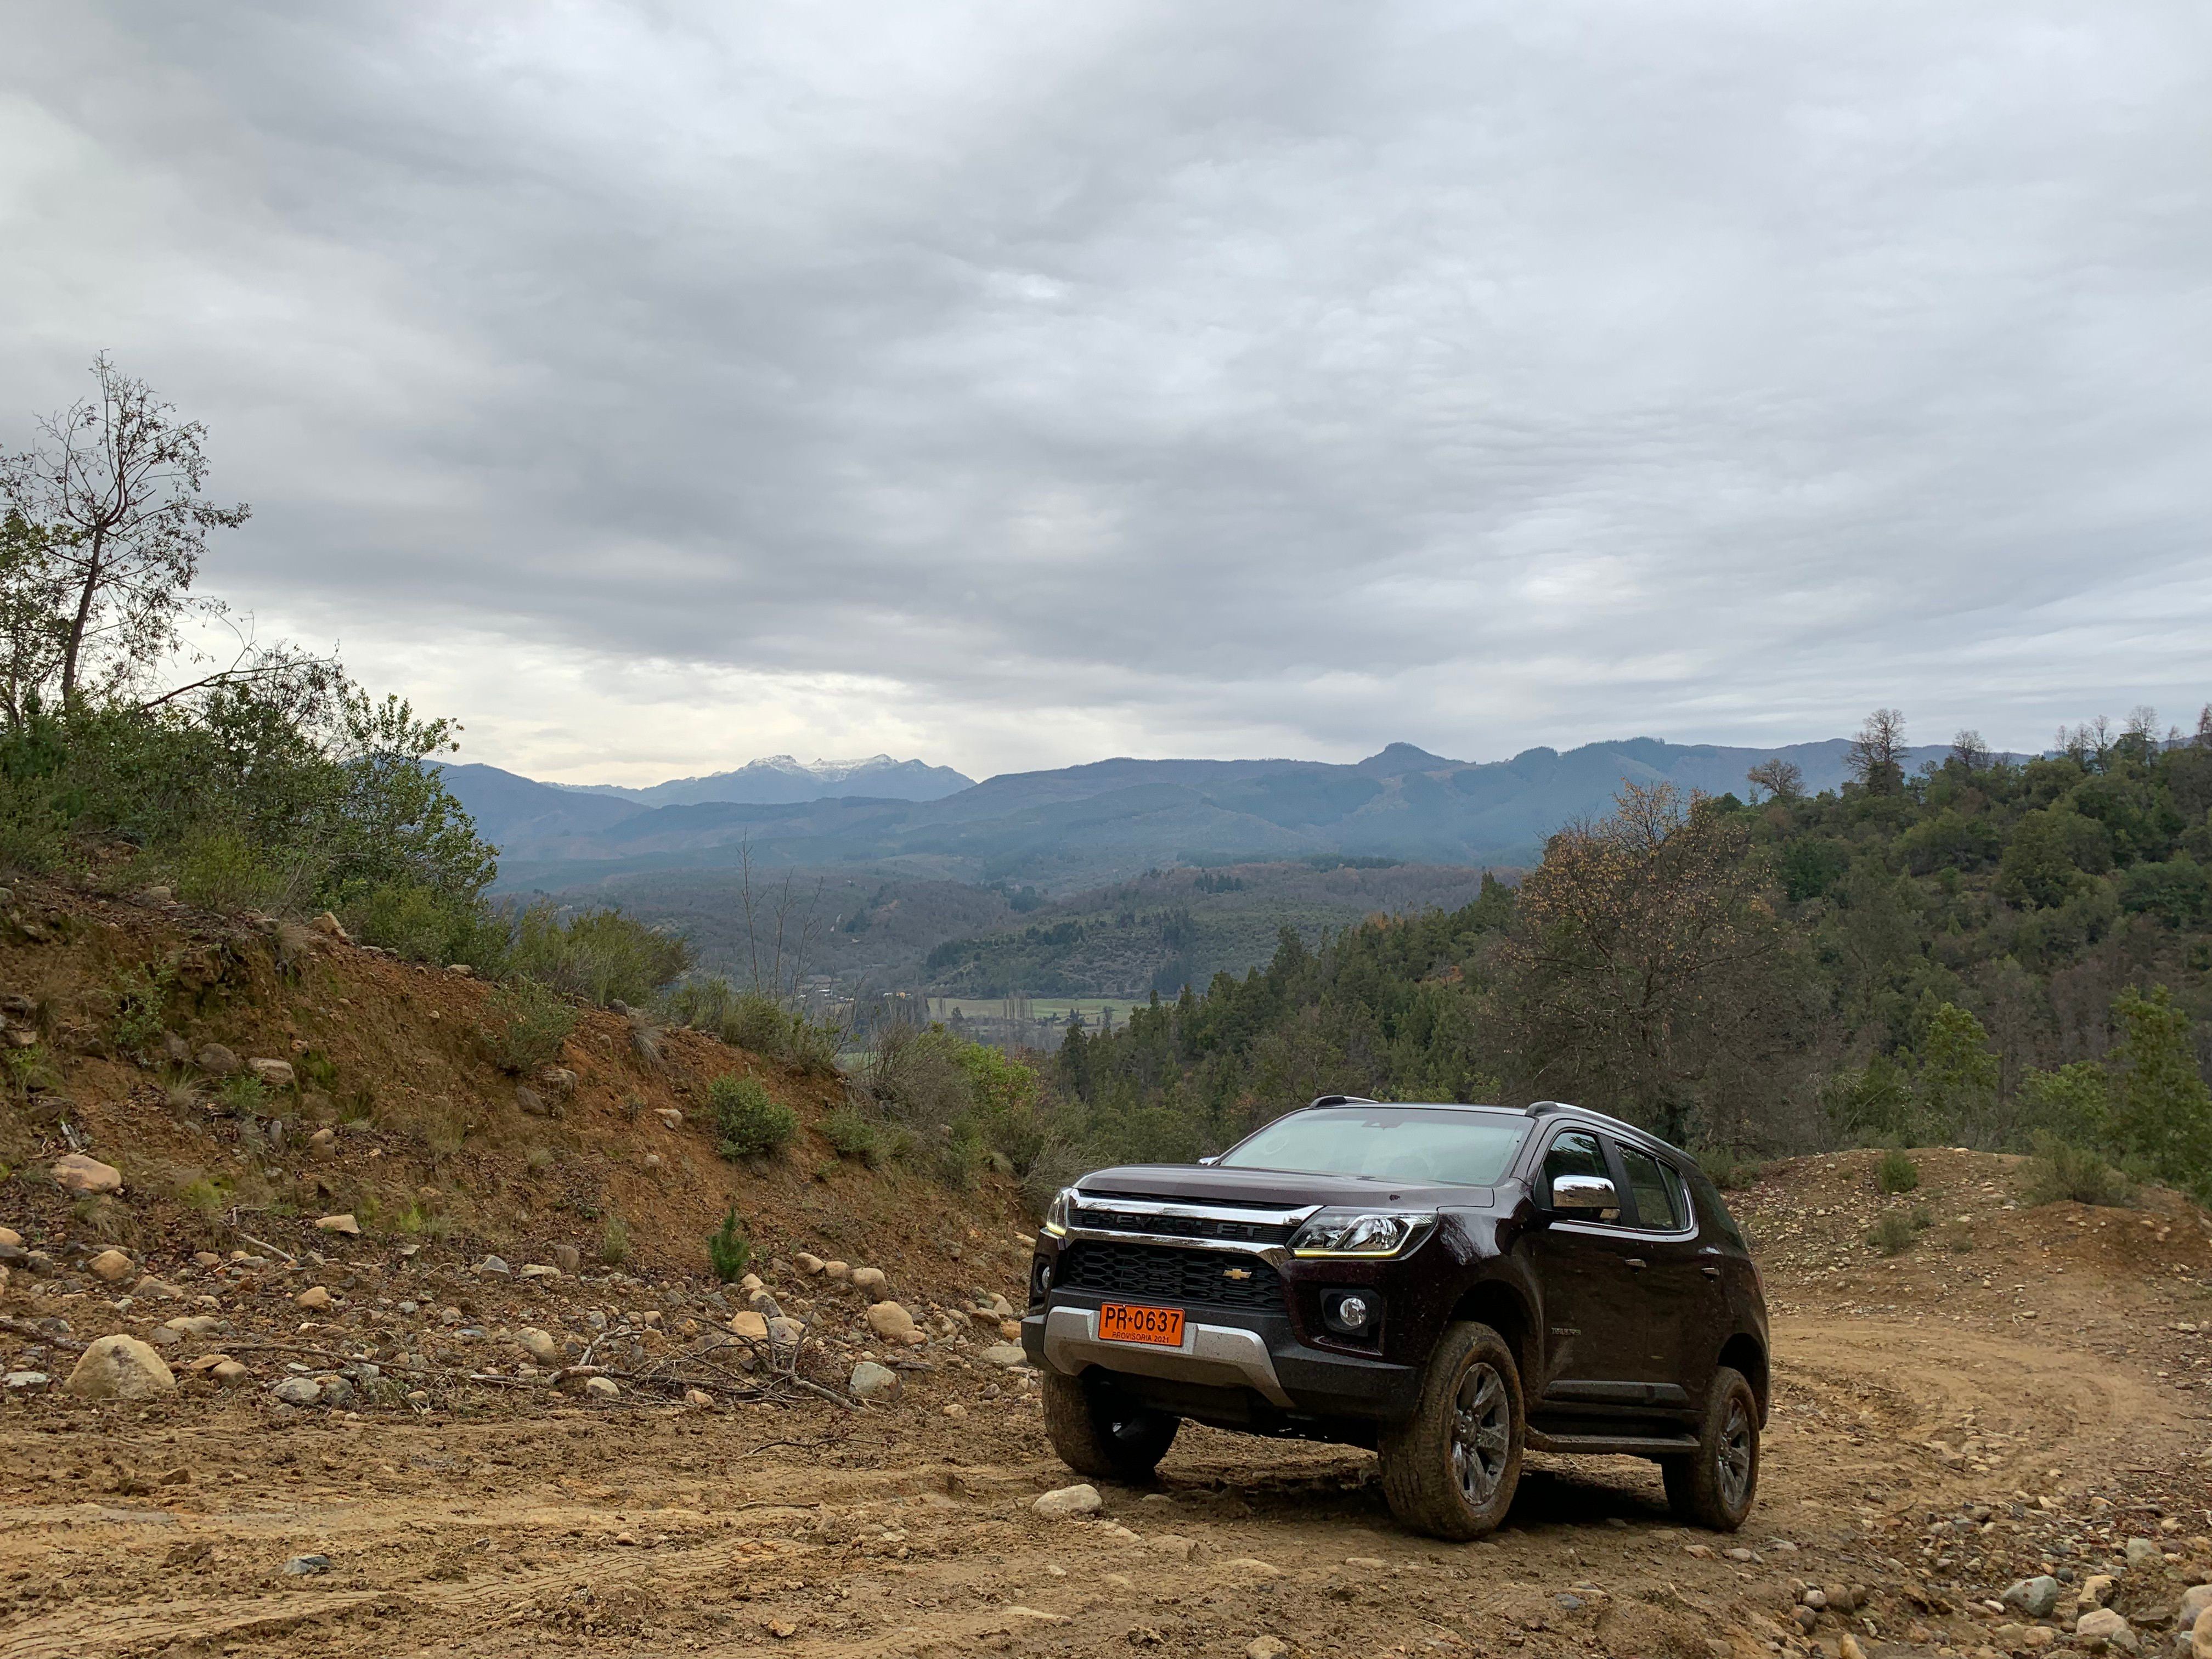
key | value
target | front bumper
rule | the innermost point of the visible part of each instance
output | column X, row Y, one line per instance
column 1227, row 1350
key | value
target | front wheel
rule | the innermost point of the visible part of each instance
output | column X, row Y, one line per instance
column 1098, row 1432
column 1451, row 1470
column 1715, row 1486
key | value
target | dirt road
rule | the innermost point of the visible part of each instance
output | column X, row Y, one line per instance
column 1924, row 1451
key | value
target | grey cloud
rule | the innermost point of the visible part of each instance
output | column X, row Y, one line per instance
column 1311, row 374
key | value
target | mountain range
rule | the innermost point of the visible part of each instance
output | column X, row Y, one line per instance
column 780, row 780
column 1110, row 820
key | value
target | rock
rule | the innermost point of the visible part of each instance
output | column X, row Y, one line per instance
column 870, row 1381
column 871, row 1280
column 10, row 1238
column 331, row 927
column 229, row 1374
column 670, row 1116
column 2144, row 1552
column 2200, row 1636
column 1008, row 1355
column 808, row 1264
column 86, row 1176
column 150, row 1289
column 2099, row 1625
column 494, row 1264
column 120, row 1368
column 315, row 1296
column 1250, row 1566
column 216, row 1061
column 2034, row 1596
column 2194, row 1601
column 323, row 1144
column 339, row 1223
column 1004, row 1308
column 1266, row 1647
column 299, row 1565
column 336, row 1390
column 538, row 1345
column 298, row 1391
column 25, row 1382
column 893, row 1323
column 2097, row 1589
column 1010, row 1329
column 746, row 1322
column 785, row 1332
column 276, row 1074
column 698, row 1399
column 112, row 1266
column 193, row 1324
column 601, row 1388
column 568, row 1258
column 558, row 1081
column 1066, row 1502
column 748, row 1284
column 837, row 1270
column 955, row 1411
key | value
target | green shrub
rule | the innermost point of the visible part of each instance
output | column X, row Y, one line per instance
column 728, row 1248
column 140, row 998
column 614, row 1242
column 2061, row 1172
column 601, row 956
column 851, row 1134
column 242, row 1095
column 529, row 1023
column 745, row 1019
column 424, row 924
column 1897, row 1173
column 1892, row 1234
column 224, row 870
column 752, row 1124
column 1727, row 1168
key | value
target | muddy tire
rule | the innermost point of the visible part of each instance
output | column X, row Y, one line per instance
column 1097, row 1432
column 1451, row 1471
column 1716, row 1488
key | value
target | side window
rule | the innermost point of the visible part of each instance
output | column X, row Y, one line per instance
column 1577, row 1154
column 1658, row 1195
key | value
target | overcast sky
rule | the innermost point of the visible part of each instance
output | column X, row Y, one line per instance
column 655, row 387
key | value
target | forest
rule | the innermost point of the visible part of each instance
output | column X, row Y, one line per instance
column 1986, row 952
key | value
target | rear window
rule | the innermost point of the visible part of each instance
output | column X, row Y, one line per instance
column 1456, row 1148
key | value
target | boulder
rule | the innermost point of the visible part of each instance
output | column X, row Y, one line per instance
column 2034, row 1596
column 112, row 1266
column 276, row 1074
column 2097, row 1589
column 670, row 1116
column 1266, row 1647
column 785, row 1332
column 2144, row 1553
column 339, row 1223
column 229, row 1374
column 871, row 1280
column 746, row 1322
column 193, row 1324
column 568, row 1258
column 893, row 1323
column 216, row 1061
column 1066, row 1502
column 298, row 1391
column 120, row 1368
column 2194, row 1601
column 1008, row 1355
column 837, row 1270
column 601, row 1388
column 315, row 1296
column 2200, row 1636
column 870, row 1381
column 10, row 1239
column 2101, row 1624
column 539, row 1270
column 808, row 1264
column 538, row 1345
column 73, row 1172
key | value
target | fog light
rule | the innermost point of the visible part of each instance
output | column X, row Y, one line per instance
column 1349, row 1313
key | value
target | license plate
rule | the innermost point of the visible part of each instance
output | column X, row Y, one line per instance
column 1159, row 1327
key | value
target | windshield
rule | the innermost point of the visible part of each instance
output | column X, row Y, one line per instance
column 1458, row 1148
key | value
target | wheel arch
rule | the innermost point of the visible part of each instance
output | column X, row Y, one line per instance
column 1744, row 1352
column 1505, row 1310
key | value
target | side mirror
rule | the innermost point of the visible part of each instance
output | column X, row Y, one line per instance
column 1583, row 1195
column 1211, row 1162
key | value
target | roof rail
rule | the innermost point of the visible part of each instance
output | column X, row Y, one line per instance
column 1343, row 1100
column 1545, row 1108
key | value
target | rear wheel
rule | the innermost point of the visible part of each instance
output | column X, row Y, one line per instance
column 1451, row 1470
column 1714, row 1487
column 1098, row 1430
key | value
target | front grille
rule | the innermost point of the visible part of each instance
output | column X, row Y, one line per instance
column 1107, row 1218
column 1159, row 1273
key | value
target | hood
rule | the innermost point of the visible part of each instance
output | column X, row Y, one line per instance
column 1198, row 1184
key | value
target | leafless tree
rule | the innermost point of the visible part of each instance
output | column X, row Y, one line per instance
column 113, row 491
column 1783, row 780
column 1877, row 753
column 1970, row 749
column 782, row 928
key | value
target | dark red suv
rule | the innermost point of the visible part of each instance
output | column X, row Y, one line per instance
column 1449, row 1285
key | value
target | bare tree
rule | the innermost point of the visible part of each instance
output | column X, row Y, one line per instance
column 113, row 491
column 1877, row 753
column 1783, row 780
column 1970, row 749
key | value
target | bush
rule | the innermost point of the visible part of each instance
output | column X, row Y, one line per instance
column 424, row 925
column 614, row 1242
column 728, row 1248
column 139, row 1001
column 2061, row 1172
column 529, row 1021
column 851, row 1134
column 1897, row 1173
column 224, row 870
column 1892, row 1234
column 752, row 1124
column 1727, row 1168
column 601, row 956
column 745, row 1019
column 242, row 1095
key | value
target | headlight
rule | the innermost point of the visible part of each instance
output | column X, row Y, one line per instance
column 1362, row 1232
column 1057, row 1213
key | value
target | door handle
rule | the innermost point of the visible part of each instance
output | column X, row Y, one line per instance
column 1637, row 1264
column 1709, row 1271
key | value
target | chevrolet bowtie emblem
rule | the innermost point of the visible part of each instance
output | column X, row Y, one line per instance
column 1237, row 1273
